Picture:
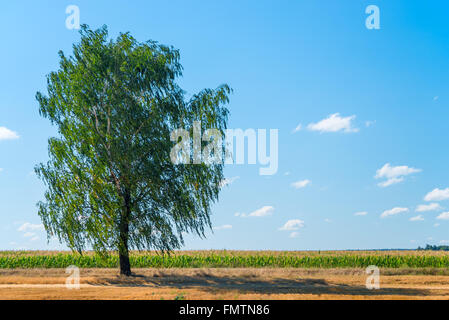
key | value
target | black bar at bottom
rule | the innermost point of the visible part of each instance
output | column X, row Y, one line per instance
column 248, row 309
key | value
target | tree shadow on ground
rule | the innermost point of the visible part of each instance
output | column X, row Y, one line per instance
column 247, row 285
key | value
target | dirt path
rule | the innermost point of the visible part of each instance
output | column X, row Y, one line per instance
column 220, row 284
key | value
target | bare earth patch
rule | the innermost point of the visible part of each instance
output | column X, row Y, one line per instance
column 232, row 284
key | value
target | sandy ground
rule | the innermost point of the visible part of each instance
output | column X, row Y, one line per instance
column 232, row 284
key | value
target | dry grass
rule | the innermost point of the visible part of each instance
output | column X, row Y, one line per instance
column 230, row 284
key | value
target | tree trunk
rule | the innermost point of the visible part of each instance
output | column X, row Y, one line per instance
column 125, row 266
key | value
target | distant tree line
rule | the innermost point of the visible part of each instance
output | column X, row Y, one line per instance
column 435, row 248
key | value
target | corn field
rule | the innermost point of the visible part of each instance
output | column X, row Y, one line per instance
column 228, row 259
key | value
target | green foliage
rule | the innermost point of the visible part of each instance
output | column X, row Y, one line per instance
column 110, row 182
column 223, row 260
column 434, row 248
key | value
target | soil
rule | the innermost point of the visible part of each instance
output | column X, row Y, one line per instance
column 225, row 283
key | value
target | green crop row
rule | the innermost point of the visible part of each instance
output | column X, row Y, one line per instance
column 220, row 261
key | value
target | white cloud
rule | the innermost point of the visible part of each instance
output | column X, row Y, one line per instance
column 436, row 225
column 387, row 171
column 262, row 212
column 390, row 182
column 298, row 128
column 428, row 207
column 6, row 134
column 228, row 181
column 300, row 184
column 361, row 213
column 417, row 218
column 30, row 227
column 334, row 123
column 225, row 226
column 393, row 212
column 29, row 234
column 294, row 234
column 294, row 224
column 369, row 123
column 437, row 195
column 393, row 175
column 443, row 216
column 444, row 241
column 327, row 220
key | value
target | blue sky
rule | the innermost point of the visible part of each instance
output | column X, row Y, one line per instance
column 289, row 63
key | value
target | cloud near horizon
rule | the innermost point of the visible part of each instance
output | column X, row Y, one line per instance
column 30, row 227
column 294, row 234
column 29, row 230
column 291, row 225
